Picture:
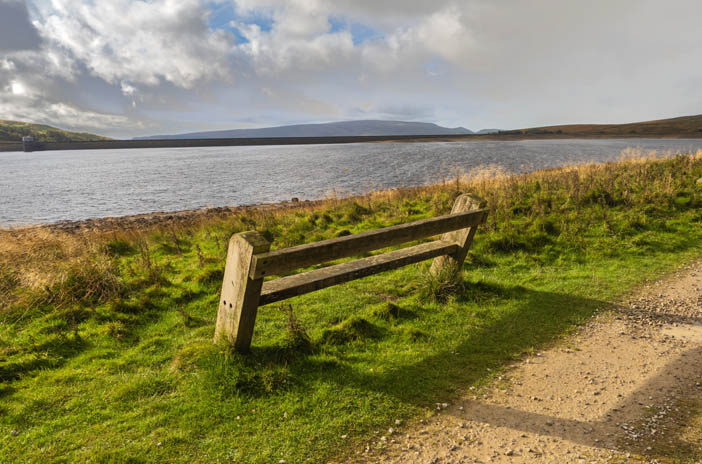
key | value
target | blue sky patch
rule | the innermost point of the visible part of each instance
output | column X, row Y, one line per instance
column 222, row 15
column 359, row 32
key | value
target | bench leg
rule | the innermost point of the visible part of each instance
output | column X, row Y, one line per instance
column 238, row 302
column 462, row 237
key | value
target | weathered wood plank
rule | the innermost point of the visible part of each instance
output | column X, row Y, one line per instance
column 461, row 237
column 299, row 284
column 288, row 259
column 238, row 302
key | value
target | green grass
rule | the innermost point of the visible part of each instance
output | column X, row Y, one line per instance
column 15, row 130
column 112, row 360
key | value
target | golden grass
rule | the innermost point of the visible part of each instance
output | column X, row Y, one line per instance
column 41, row 256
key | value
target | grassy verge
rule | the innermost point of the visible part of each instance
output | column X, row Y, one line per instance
column 105, row 340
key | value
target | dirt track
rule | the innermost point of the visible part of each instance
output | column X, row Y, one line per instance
column 611, row 393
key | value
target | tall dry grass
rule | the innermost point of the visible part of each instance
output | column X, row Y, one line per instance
column 54, row 268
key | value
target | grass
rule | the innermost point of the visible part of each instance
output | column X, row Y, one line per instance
column 683, row 126
column 13, row 131
column 106, row 350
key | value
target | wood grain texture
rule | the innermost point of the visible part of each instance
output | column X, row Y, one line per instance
column 463, row 238
column 299, row 284
column 238, row 302
column 287, row 259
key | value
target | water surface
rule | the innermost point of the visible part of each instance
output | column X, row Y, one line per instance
column 50, row 186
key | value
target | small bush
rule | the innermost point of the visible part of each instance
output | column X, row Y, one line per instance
column 439, row 287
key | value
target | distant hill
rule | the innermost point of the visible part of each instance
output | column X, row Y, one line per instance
column 13, row 131
column 488, row 131
column 683, row 126
column 332, row 129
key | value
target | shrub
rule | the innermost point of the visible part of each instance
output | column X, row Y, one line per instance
column 439, row 287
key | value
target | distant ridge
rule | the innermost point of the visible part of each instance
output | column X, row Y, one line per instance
column 13, row 131
column 332, row 129
column 682, row 126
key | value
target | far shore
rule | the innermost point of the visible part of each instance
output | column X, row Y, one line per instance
column 265, row 141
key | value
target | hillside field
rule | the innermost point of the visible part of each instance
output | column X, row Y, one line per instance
column 684, row 126
column 13, row 131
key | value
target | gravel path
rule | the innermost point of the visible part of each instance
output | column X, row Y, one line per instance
column 603, row 395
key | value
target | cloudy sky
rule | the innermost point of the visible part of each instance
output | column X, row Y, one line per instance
column 126, row 67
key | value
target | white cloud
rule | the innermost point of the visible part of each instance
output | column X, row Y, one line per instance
column 127, row 88
column 17, row 88
column 142, row 42
column 475, row 63
column 62, row 115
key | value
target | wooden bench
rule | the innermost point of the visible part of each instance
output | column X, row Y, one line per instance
column 249, row 261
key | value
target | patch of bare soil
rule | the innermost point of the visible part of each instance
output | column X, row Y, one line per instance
column 615, row 392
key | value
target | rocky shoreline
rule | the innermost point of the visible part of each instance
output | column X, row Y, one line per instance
column 143, row 221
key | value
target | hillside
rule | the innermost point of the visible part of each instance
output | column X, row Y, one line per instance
column 332, row 129
column 13, row 131
column 683, row 126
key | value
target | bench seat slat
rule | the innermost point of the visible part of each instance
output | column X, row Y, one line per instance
column 305, row 282
column 287, row 259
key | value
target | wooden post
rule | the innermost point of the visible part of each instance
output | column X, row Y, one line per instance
column 461, row 237
column 238, row 303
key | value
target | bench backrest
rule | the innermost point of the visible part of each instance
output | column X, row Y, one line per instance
column 249, row 261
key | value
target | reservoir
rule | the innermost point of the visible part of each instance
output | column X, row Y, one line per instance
column 49, row 186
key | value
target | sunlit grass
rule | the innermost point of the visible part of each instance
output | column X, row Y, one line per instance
column 106, row 349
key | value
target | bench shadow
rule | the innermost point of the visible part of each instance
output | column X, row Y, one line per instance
column 504, row 339
column 539, row 318
column 681, row 375
column 664, row 317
